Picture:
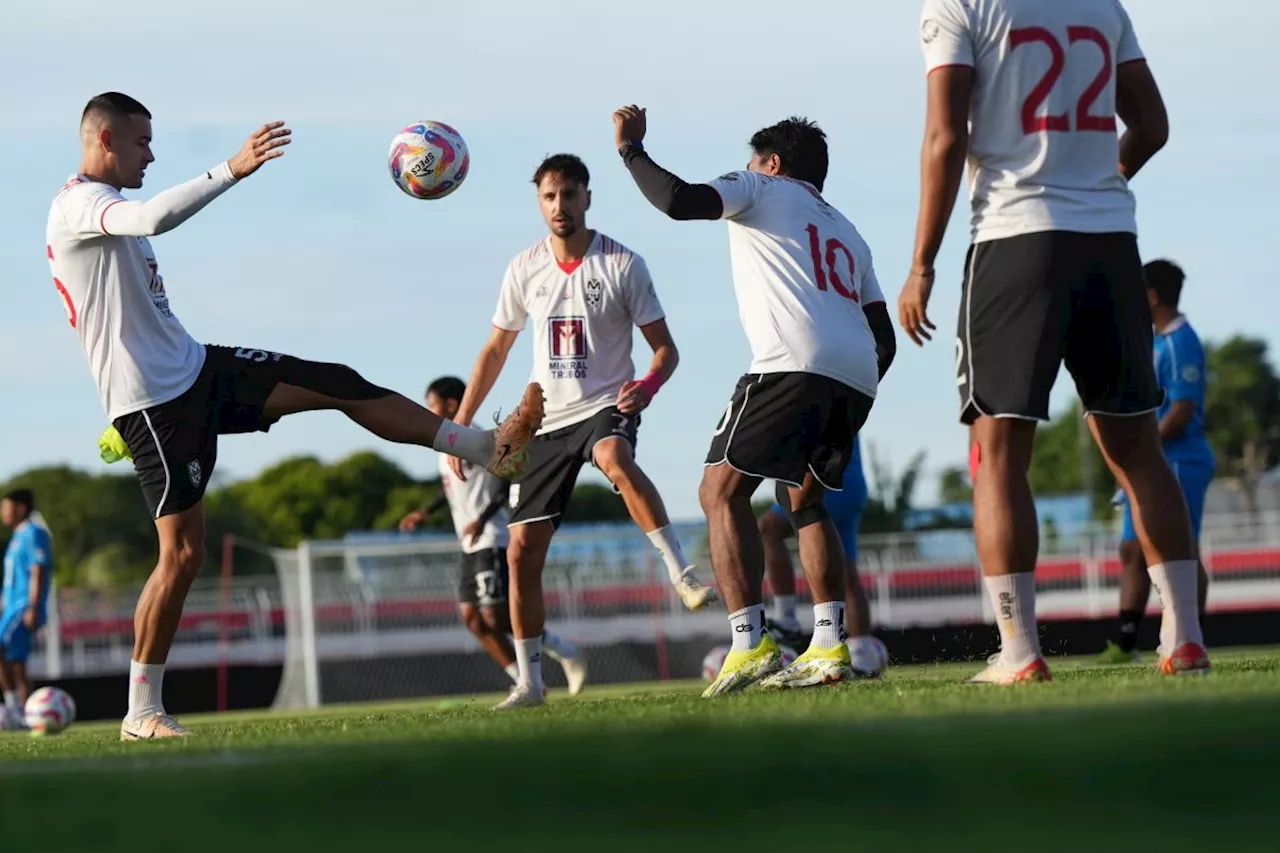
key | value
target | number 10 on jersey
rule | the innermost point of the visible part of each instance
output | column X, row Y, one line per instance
column 824, row 257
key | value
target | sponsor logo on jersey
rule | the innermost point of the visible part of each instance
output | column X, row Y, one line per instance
column 568, row 338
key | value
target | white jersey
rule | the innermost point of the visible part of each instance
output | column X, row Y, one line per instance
column 110, row 284
column 1043, row 147
column 468, row 500
column 802, row 274
column 583, row 315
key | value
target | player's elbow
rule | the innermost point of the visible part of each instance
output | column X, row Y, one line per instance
column 946, row 142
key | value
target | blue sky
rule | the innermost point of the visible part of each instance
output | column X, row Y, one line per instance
column 321, row 256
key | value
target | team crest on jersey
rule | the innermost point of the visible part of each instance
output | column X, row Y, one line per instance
column 928, row 30
column 195, row 472
column 593, row 290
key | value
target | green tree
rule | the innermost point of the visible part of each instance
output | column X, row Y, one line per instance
column 891, row 496
column 1065, row 454
column 595, row 502
column 954, row 486
column 1242, row 411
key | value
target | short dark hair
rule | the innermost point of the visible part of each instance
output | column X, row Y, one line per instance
column 801, row 146
column 568, row 166
column 448, row 388
column 21, row 496
column 114, row 105
column 1165, row 279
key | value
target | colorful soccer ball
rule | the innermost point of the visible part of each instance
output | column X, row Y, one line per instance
column 428, row 160
column 868, row 656
column 715, row 659
column 49, row 710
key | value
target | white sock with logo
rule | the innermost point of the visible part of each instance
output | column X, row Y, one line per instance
column 828, row 625
column 529, row 661
column 1178, row 584
column 747, row 625
column 473, row 445
column 668, row 546
column 11, row 703
column 146, row 682
column 1013, row 597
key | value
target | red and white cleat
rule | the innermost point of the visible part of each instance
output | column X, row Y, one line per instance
column 998, row 672
column 1187, row 659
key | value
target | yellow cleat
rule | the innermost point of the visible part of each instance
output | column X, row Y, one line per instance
column 742, row 669
column 814, row 668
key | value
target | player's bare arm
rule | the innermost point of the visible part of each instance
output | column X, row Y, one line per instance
column 942, row 156
column 413, row 519
column 675, row 197
column 635, row 396
column 1141, row 108
column 488, row 367
column 1176, row 419
column 877, row 314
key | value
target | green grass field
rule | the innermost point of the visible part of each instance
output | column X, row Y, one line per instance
column 1116, row 758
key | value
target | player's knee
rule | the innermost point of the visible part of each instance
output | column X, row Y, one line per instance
column 472, row 618
column 182, row 557
column 615, row 461
column 337, row 381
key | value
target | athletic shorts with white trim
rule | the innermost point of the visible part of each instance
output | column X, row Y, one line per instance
column 781, row 426
column 556, row 458
column 1034, row 301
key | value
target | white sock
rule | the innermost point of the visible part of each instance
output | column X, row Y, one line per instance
column 145, row 683
column 11, row 701
column 828, row 625
column 784, row 609
column 513, row 672
column 558, row 648
column 1013, row 597
column 529, row 660
column 664, row 539
column 1177, row 583
column 748, row 627
column 473, row 445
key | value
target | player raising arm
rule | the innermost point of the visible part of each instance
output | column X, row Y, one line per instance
column 1029, row 92
column 170, row 397
column 821, row 340
column 585, row 293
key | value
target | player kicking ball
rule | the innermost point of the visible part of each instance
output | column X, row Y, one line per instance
column 584, row 293
column 477, row 506
column 845, row 508
column 169, row 397
column 821, row 340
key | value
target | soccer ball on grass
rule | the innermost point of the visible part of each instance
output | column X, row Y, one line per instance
column 428, row 160
column 49, row 710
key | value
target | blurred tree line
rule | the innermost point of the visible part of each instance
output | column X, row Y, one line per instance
column 1242, row 418
column 103, row 534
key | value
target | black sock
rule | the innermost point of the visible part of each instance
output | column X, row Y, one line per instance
column 1129, row 621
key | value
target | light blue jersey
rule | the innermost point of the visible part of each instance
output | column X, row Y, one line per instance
column 1181, row 372
column 30, row 546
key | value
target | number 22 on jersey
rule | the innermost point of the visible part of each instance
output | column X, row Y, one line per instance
column 1085, row 120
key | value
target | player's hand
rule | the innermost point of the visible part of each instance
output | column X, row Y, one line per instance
column 412, row 520
column 629, row 125
column 459, row 467
column 913, row 307
column 265, row 143
column 472, row 532
column 632, row 398
column 29, row 618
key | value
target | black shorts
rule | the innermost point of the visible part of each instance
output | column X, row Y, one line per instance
column 781, row 426
column 555, row 458
column 175, row 444
column 1034, row 301
column 483, row 582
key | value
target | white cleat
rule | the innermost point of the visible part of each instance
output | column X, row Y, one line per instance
column 575, row 671
column 693, row 593
column 998, row 672
column 156, row 726
column 521, row 697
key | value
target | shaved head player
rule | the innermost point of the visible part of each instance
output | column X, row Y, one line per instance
column 1029, row 91
column 170, row 397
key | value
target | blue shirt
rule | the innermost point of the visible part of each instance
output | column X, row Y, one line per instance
column 852, row 497
column 30, row 546
column 1181, row 372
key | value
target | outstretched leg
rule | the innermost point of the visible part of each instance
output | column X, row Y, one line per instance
column 616, row 460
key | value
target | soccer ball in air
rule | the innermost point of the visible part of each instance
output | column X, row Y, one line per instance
column 715, row 659
column 428, row 160
column 49, row 710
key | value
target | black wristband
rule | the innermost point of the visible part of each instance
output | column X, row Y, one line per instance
column 626, row 148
